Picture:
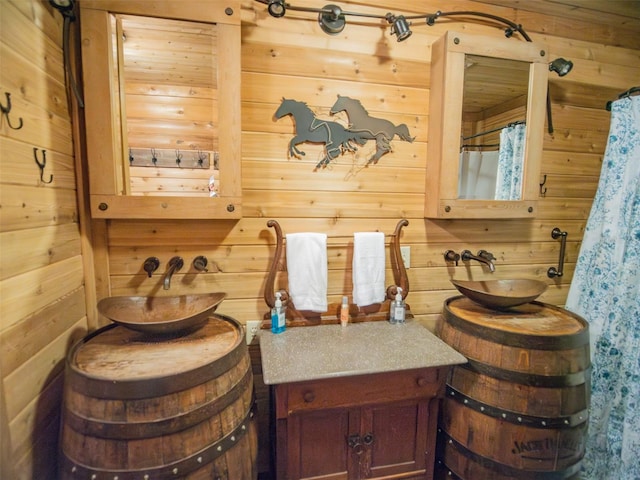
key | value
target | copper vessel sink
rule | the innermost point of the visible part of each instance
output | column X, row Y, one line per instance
column 501, row 294
column 160, row 315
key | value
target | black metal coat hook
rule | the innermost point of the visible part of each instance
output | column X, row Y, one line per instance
column 543, row 192
column 42, row 165
column 6, row 110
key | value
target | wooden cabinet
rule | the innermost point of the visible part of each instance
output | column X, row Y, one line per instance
column 162, row 108
column 359, row 427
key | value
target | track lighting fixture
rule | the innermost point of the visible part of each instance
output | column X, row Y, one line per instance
column 561, row 66
column 399, row 26
column 277, row 8
column 332, row 19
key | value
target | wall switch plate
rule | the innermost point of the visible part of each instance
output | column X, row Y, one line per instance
column 252, row 328
column 405, row 253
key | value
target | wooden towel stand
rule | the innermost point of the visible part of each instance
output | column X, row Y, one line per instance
column 373, row 312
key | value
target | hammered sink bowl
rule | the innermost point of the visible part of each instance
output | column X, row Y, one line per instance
column 160, row 315
column 501, row 294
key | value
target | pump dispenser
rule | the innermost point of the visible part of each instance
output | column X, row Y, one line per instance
column 278, row 319
column 397, row 309
column 344, row 312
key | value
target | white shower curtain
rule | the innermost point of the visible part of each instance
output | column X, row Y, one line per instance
column 606, row 292
column 510, row 162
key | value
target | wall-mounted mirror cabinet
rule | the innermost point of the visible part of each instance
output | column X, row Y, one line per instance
column 486, row 127
column 162, row 108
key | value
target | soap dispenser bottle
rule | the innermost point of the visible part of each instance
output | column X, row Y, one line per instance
column 278, row 319
column 397, row 310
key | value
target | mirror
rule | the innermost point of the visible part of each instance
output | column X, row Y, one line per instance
column 162, row 116
column 494, row 107
column 167, row 82
column 487, row 110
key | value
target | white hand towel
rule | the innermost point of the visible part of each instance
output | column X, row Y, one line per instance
column 307, row 270
column 368, row 268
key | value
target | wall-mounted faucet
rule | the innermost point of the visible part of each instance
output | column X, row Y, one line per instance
column 483, row 257
column 175, row 264
column 151, row 264
column 200, row 263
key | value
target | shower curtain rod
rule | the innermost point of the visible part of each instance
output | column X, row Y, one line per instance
column 482, row 145
column 519, row 122
column 624, row 94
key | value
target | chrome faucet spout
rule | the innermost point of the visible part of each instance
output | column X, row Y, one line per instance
column 466, row 255
column 175, row 264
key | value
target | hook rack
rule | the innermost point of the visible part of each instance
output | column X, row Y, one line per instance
column 553, row 271
column 171, row 158
column 42, row 165
column 6, row 110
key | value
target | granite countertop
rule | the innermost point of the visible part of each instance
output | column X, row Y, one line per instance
column 330, row 351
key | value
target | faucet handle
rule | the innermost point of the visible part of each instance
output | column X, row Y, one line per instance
column 200, row 263
column 486, row 255
column 451, row 256
column 151, row 264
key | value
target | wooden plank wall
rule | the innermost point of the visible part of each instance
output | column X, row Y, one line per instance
column 290, row 57
column 42, row 272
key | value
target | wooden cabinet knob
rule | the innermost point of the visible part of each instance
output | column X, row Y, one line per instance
column 422, row 382
column 308, row 397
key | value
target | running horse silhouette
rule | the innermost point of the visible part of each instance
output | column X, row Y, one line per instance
column 371, row 128
column 336, row 138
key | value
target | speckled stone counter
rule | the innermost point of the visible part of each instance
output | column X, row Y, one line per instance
column 330, row 351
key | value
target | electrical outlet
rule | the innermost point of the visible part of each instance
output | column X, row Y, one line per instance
column 405, row 253
column 252, row 328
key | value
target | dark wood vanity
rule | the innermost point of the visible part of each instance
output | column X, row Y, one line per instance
column 356, row 402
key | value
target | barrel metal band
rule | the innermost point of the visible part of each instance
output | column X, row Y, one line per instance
column 174, row 470
column 566, row 421
column 524, row 378
column 537, row 342
column 127, row 430
column 501, row 468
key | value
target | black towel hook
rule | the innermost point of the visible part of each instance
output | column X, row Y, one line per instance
column 42, row 165
column 543, row 192
column 6, row 110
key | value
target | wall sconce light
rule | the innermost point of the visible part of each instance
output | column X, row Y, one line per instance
column 561, row 66
column 64, row 6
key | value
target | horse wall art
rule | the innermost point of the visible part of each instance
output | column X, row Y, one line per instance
column 370, row 128
column 335, row 137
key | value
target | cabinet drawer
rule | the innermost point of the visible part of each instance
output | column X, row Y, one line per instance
column 359, row 390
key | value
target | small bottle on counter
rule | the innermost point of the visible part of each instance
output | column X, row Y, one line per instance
column 397, row 309
column 344, row 312
column 278, row 318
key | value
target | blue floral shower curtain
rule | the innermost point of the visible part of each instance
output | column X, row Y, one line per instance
column 606, row 292
column 510, row 161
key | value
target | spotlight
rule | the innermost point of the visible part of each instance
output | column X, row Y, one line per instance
column 331, row 19
column 277, row 8
column 561, row 66
column 399, row 26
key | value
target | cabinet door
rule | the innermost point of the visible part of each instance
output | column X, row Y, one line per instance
column 398, row 439
column 317, row 444
column 163, row 108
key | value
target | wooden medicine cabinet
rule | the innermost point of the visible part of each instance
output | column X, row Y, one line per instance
column 162, row 108
column 482, row 88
